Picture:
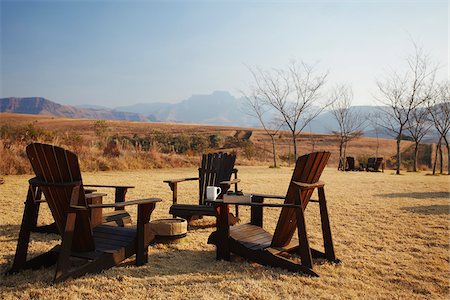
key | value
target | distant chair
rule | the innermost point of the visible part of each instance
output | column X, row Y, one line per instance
column 350, row 163
column 374, row 164
column 215, row 170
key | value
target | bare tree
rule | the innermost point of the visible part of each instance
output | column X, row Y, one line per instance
column 294, row 92
column 351, row 123
column 403, row 93
column 439, row 108
column 418, row 126
column 257, row 109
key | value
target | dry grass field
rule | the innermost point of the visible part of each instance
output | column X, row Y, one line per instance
column 391, row 233
column 307, row 142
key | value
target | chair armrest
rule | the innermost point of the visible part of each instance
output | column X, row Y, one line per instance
column 230, row 182
column 77, row 207
column 173, row 184
column 270, row 205
column 268, row 196
column 170, row 181
column 122, row 204
column 110, row 186
column 254, row 204
column 94, row 195
column 308, row 186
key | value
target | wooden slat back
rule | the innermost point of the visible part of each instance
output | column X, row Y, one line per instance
column 378, row 163
column 371, row 162
column 350, row 162
column 216, row 167
column 53, row 164
column 308, row 169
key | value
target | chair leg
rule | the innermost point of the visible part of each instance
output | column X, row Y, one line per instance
column 29, row 216
column 326, row 230
column 304, row 249
column 63, row 264
column 143, row 233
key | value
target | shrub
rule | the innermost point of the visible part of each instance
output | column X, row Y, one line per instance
column 248, row 149
column 215, row 140
column 111, row 149
column 74, row 140
column 199, row 143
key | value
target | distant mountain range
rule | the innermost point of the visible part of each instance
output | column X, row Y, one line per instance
column 41, row 106
column 218, row 108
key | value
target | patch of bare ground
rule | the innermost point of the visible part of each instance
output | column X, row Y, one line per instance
column 391, row 233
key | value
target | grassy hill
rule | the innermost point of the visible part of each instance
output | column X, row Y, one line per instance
column 252, row 144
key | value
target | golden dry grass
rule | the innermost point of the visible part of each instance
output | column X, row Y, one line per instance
column 307, row 142
column 391, row 233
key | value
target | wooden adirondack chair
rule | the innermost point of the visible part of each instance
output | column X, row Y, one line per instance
column 216, row 170
column 374, row 164
column 350, row 163
column 78, row 220
column 252, row 242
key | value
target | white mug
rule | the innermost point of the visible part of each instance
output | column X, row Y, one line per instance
column 212, row 192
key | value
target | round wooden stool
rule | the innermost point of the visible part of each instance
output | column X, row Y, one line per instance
column 169, row 228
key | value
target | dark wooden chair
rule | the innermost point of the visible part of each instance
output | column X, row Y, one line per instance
column 375, row 164
column 78, row 217
column 216, row 170
column 350, row 163
column 252, row 242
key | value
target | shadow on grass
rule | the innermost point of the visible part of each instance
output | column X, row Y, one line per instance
column 161, row 263
column 429, row 209
column 417, row 195
column 10, row 233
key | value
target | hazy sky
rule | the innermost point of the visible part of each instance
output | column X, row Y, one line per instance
column 117, row 53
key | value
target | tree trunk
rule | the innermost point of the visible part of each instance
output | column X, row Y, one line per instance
column 294, row 141
column 448, row 154
column 416, row 156
column 341, row 162
column 398, row 154
column 344, row 156
column 448, row 158
column 440, row 158
column 274, row 147
column 436, row 155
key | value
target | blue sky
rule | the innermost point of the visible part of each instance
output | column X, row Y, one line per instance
column 117, row 53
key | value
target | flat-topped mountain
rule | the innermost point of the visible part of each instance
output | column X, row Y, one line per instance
column 217, row 108
column 42, row 106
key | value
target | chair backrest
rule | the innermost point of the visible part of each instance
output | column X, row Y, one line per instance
column 371, row 162
column 308, row 169
column 378, row 163
column 53, row 164
column 350, row 163
column 216, row 167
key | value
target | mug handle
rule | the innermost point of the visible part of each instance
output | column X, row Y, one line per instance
column 220, row 191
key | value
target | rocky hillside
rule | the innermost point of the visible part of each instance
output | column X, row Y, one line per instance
column 42, row 106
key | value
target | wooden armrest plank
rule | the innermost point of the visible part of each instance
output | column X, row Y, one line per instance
column 122, row 204
column 94, row 195
column 180, row 179
column 230, row 182
column 269, row 196
column 110, row 186
column 255, row 204
column 308, row 186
